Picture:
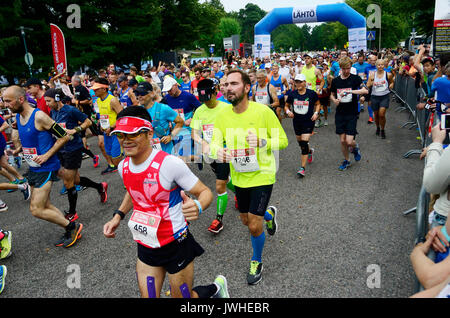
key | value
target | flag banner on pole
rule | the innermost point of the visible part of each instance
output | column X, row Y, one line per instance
column 59, row 48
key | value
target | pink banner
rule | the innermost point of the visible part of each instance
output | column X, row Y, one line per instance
column 59, row 49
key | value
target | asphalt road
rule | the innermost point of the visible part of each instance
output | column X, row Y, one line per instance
column 334, row 228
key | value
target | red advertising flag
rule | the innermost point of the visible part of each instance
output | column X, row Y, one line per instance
column 59, row 48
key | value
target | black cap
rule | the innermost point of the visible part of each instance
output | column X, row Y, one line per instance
column 33, row 81
column 132, row 82
column 122, row 78
column 144, row 87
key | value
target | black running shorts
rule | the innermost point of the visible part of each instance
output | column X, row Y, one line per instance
column 221, row 170
column 174, row 256
column 71, row 160
column 254, row 200
column 346, row 124
column 39, row 179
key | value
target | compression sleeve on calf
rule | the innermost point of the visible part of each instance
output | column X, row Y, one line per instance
column 58, row 131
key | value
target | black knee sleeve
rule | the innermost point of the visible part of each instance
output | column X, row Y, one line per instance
column 304, row 145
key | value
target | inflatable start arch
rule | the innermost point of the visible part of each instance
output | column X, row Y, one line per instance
column 355, row 22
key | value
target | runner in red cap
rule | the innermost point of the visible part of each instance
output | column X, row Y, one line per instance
column 155, row 183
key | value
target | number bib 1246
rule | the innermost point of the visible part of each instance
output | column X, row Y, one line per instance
column 144, row 227
column 245, row 160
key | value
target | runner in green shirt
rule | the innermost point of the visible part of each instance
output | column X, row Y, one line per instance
column 202, row 125
column 252, row 133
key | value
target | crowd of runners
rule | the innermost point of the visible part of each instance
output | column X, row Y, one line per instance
column 151, row 125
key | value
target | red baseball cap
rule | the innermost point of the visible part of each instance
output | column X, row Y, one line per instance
column 131, row 125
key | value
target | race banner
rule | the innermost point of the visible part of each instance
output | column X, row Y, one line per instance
column 59, row 49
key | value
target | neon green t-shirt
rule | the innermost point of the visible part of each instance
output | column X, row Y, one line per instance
column 250, row 167
column 204, row 119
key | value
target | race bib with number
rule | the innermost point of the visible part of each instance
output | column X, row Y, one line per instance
column 301, row 107
column 345, row 95
column 29, row 154
column 180, row 112
column 104, row 122
column 244, row 160
column 380, row 86
column 208, row 132
column 144, row 227
column 156, row 144
column 308, row 85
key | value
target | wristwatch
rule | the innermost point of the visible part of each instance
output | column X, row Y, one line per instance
column 121, row 214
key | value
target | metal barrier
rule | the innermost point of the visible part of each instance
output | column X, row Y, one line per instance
column 408, row 95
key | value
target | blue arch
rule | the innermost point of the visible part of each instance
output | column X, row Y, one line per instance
column 341, row 12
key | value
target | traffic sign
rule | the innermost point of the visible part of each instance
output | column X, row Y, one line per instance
column 370, row 35
column 29, row 59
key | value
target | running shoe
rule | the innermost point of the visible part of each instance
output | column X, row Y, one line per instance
column 17, row 181
column 2, row 277
column 80, row 188
column 71, row 216
column 69, row 236
column 26, row 192
column 73, row 235
column 310, row 155
column 216, row 226
column 345, row 164
column 5, row 244
column 96, row 159
column 325, row 122
column 301, row 172
column 370, row 121
column 3, row 206
column 357, row 153
column 272, row 225
column 254, row 276
column 317, row 124
column 63, row 190
column 383, row 134
column 104, row 193
column 377, row 133
column 18, row 162
column 109, row 169
column 222, row 287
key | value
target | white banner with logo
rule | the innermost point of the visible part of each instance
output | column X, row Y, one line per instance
column 357, row 40
column 304, row 14
column 262, row 45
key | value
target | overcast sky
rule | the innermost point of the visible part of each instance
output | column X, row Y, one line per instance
column 268, row 5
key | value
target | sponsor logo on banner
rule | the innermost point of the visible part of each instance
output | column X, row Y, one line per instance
column 304, row 14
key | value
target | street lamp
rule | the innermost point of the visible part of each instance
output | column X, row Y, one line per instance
column 22, row 32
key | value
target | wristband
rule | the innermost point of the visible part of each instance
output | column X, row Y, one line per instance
column 78, row 129
column 199, row 206
column 120, row 213
column 444, row 231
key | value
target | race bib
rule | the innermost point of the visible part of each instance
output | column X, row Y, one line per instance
column 345, row 98
column 29, row 154
column 380, row 86
column 156, row 144
column 63, row 125
column 195, row 91
column 278, row 91
column 301, row 107
column 180, row 112
column 319, row 91
column 308, row 85
column 208, row 132
column 260, row 96
column 104, row 122
column 144, row 227
column 244, row 160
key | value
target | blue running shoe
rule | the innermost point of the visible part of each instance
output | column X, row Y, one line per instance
column 2, row 277
column 345, row 164
column 357, row 153
column 63, row 190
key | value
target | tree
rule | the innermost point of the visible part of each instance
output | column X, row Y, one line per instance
column 249, row 17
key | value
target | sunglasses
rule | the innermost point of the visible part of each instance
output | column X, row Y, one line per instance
column 122, row 136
